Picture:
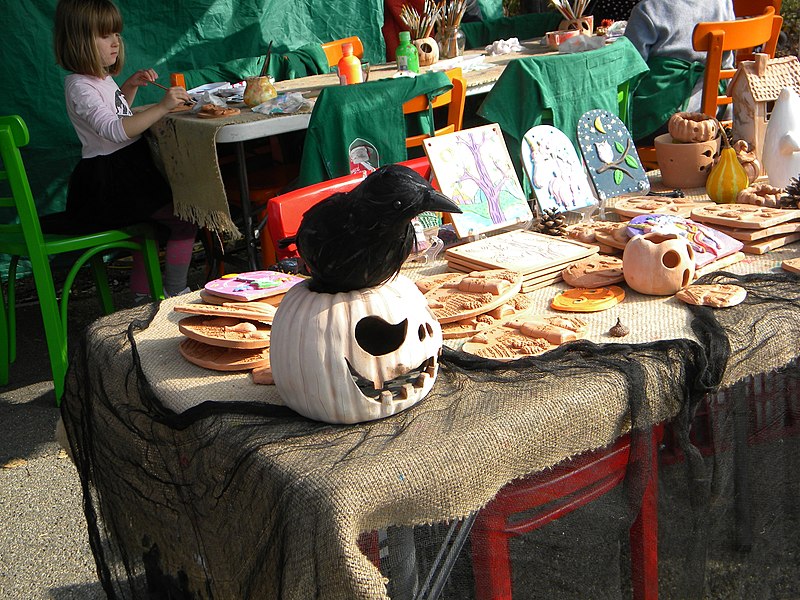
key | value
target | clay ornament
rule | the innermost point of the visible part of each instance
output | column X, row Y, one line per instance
column 619, row 330
column 781, row 154
column 658, row 264
column 717, row 295
column 760, row 194
column 593, row 272
column 354, row 356
column 708, row 243
column 748, row 160
column 588, row 299
column 692, row 127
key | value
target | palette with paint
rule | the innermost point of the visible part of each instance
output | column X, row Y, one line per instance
column 252, row 285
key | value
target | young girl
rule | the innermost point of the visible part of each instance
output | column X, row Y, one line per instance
column 116, row 182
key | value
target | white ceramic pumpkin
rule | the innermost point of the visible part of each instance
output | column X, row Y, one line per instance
column 658, row 264
column 354, row 356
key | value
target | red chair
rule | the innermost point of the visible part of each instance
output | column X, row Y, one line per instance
column 528, row 504
column 285, row 212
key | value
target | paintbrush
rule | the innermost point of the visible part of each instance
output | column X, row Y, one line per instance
column 189, row 102
column 265, row 66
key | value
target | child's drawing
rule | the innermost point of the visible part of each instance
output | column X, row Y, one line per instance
column 474, row 169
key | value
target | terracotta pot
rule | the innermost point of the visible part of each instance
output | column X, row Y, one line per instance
column 658, row 264
column 685, row 164
column 428, row 51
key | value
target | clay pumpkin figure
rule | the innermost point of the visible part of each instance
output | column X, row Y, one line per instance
column 727, row 177
column 658, row 264
column 354, row 356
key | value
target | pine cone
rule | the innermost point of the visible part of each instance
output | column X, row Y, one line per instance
column 792, row 197
column 552, row 223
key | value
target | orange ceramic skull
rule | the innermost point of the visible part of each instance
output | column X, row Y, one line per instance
column 658, row 264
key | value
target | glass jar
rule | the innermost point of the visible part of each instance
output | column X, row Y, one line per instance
column 259, row 90
column 452, row 42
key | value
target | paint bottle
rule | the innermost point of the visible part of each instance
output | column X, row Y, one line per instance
column 177, row 79
column 407, row 55
column 349, row 66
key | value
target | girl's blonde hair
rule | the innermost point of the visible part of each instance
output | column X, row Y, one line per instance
column 77, row 23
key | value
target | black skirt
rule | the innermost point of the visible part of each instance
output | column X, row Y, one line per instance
column 117, row 189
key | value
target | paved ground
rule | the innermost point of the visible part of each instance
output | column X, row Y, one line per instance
column 44, row 549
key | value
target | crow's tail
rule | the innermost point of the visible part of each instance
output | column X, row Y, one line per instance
column 286, row 242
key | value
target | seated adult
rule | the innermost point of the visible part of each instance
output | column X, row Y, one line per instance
column 661, row 30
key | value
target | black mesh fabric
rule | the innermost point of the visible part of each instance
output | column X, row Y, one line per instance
column 240, row 501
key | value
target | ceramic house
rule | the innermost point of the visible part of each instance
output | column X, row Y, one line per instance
column 754, row 88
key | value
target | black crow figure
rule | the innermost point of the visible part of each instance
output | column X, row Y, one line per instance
column 360, row 239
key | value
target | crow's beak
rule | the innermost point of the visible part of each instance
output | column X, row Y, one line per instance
column 437, row 201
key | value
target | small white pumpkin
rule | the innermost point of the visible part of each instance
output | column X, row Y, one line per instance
column 658, row 264
column 354, row 356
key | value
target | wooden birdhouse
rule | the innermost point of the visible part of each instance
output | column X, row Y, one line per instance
column 754, row 89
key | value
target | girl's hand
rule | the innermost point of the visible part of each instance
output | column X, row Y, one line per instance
column 141, row 78
column 174, row 97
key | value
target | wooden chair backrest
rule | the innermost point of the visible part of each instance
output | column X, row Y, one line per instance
column 752, row 8
column 454, row 100
column 333, row 50
column 717, row 37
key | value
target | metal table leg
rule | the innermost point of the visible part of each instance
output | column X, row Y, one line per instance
column 247, row 215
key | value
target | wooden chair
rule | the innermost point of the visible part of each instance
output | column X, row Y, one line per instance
column 26, row 239
column 528, row 504
column 752, row 8
column 454, row 100
column 717, row 37
column 285, row 212
column 333, row 50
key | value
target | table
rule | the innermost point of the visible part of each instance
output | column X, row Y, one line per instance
column 236, row 498
column 188, row 145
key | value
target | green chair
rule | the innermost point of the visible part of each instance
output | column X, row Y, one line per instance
column 25, row 239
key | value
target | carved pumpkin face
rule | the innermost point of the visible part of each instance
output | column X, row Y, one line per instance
column 658, row 264
column 354, row 356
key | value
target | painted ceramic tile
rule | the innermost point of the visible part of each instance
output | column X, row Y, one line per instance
column 473, row 168
column 252, row 285
column 610, row 156
column 708, row 243
column 554, row 170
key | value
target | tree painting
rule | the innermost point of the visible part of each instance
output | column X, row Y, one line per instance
column 473, row 168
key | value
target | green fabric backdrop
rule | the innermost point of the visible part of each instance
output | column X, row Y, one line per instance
column 168, row 36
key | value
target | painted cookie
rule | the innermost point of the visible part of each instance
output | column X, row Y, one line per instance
column 588, row 299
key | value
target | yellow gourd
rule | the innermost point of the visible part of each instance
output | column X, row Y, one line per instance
column 727, row 178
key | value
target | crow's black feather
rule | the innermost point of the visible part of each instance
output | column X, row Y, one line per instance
column 361, row 238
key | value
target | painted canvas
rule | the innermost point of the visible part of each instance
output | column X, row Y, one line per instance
column 610, row 156
column 554, row 170
column 473, row 168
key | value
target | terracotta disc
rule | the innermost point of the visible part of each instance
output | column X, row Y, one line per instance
column 223, row 359
column 473, row 294
column 593, row 272
column 227, row 332
column 526, row 336
column 718, row 295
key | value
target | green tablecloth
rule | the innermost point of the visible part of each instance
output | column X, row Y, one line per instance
column 562, row 85
column 371, row 111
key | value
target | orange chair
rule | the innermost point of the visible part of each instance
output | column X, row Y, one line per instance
column 454, row 100
column 333, row 50
column 525, row 505
column 717, row 37
column 752, row 8
column 285, row 212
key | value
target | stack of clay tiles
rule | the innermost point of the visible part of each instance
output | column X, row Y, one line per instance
column 759, row 228
column 229, row 327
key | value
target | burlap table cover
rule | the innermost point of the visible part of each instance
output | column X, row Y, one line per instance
column 247, row 500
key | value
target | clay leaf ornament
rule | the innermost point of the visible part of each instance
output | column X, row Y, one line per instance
column 781, row 155
column 610, row 155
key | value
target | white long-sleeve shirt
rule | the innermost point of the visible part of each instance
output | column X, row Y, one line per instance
column 96, row 107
